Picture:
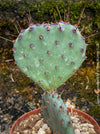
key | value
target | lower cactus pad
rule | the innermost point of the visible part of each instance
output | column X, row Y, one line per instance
column 55, row 114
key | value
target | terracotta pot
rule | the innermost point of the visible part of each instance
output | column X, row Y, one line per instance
column 86, row 116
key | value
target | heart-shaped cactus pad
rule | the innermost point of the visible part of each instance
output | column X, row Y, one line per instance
column 49, row 53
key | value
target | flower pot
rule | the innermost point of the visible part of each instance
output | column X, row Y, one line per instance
column 86, row 116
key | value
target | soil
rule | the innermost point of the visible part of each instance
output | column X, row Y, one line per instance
column 35, row 124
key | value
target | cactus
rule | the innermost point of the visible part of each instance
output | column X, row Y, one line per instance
column 49, row 54
column 56, row 114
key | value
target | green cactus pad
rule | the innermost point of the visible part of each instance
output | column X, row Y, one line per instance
column 50, row 53
column 55, row 114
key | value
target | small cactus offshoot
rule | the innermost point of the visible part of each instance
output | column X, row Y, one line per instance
column 56, row 114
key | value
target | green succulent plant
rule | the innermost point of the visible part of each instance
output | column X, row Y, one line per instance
column 49, row 54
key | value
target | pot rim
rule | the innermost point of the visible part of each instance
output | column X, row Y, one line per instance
column 36, row 111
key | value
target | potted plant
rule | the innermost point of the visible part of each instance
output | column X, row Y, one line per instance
column 49, row 54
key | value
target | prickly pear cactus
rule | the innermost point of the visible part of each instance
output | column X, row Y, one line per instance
column 49, row 53
column 56, row 115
